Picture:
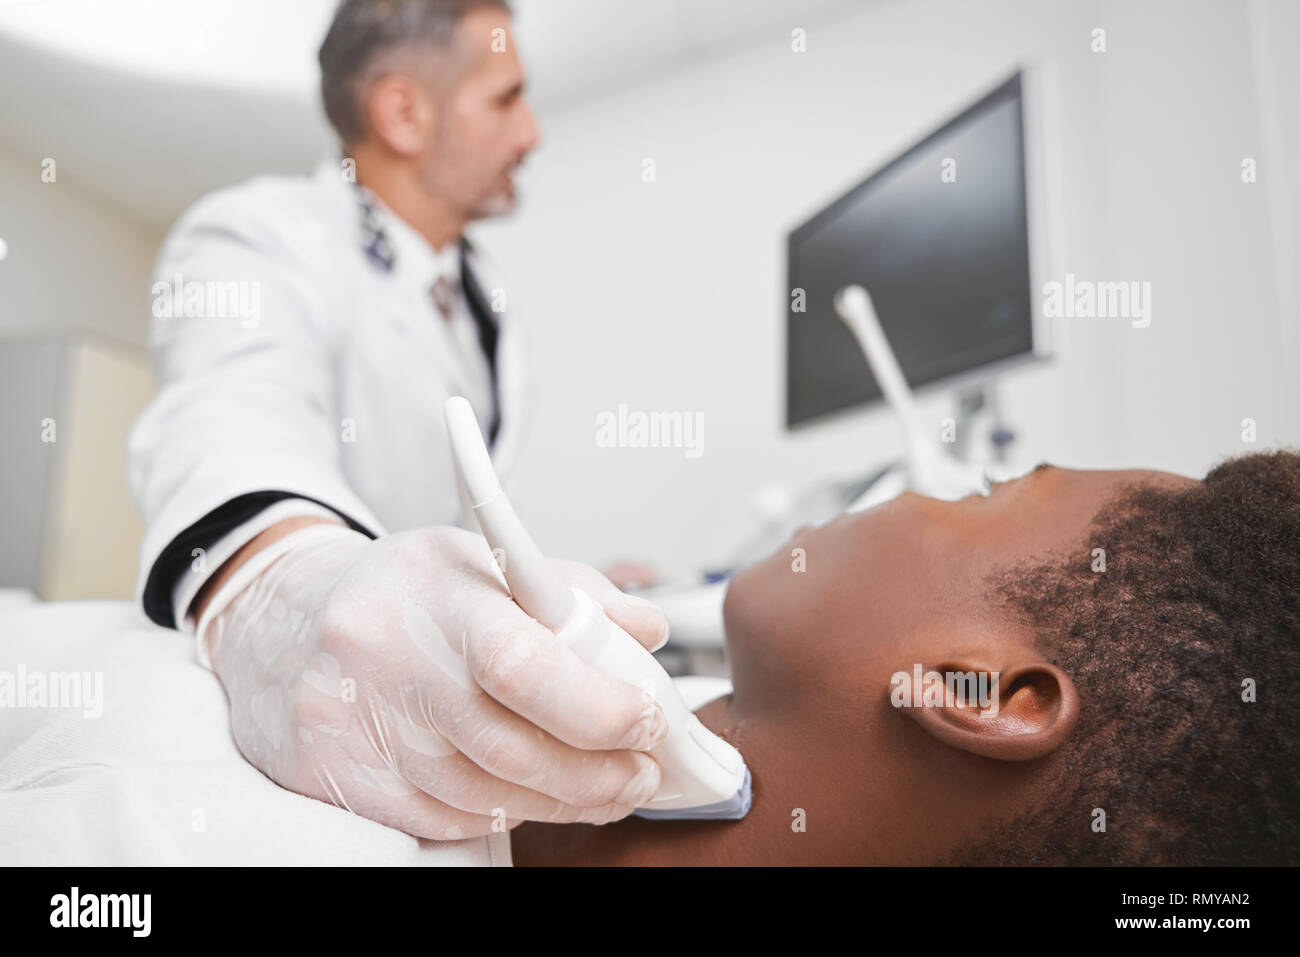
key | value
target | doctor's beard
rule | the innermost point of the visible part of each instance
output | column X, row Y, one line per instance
column 500, row 202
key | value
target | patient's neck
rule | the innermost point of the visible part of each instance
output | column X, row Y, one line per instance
column 635, row 841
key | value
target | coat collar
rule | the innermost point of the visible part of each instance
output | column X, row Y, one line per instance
column 393, row 246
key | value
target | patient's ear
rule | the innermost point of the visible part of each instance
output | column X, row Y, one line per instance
column 1031, row 711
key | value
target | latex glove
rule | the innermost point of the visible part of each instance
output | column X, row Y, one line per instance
column 631, row 574
column 398, row 679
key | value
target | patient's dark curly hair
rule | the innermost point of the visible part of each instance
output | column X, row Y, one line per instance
column 1201, row 591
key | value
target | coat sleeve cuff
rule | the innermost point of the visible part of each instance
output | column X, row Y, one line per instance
column 163, row 586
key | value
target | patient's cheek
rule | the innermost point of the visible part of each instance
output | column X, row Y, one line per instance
column 734, row 606
column 755, row 594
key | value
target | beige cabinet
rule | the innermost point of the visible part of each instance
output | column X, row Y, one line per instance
column 68, row 527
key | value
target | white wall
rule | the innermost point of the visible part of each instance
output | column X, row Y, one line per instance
column 73, row 260
column 1274, row 26
column 669, row 296
column 73, row 264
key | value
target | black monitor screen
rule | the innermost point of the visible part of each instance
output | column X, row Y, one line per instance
column 946, row 263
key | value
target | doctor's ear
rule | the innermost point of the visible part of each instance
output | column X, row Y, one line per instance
column 1018, row 714
column 401, row 113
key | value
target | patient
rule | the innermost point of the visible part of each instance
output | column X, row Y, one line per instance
column 1145, row 714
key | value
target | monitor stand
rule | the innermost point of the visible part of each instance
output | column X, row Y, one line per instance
column 929, row 466
column 981, row 437
column 926, row 467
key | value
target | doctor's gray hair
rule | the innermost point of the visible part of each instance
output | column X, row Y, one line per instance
column 362, row 36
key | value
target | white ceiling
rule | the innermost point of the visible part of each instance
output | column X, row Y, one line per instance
column 150, row 103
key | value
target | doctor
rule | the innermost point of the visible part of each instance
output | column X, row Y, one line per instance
column 294, row 473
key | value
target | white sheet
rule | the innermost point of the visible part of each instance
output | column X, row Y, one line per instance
column 157, row 778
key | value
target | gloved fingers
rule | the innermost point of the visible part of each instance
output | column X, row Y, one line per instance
column 506, row 746
column 522, row 665
column 459, row 782
column 422, row 815
column 641, row 619
column 371, row 786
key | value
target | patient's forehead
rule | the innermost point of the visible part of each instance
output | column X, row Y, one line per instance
column 916, row 557
column 864, row 591
column 948, row 546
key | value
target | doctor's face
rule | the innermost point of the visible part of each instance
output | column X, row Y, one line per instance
column 485, row 128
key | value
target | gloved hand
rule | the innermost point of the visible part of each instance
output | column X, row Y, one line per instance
column 398, row 679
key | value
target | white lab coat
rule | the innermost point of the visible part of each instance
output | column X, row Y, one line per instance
column 335, row 389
